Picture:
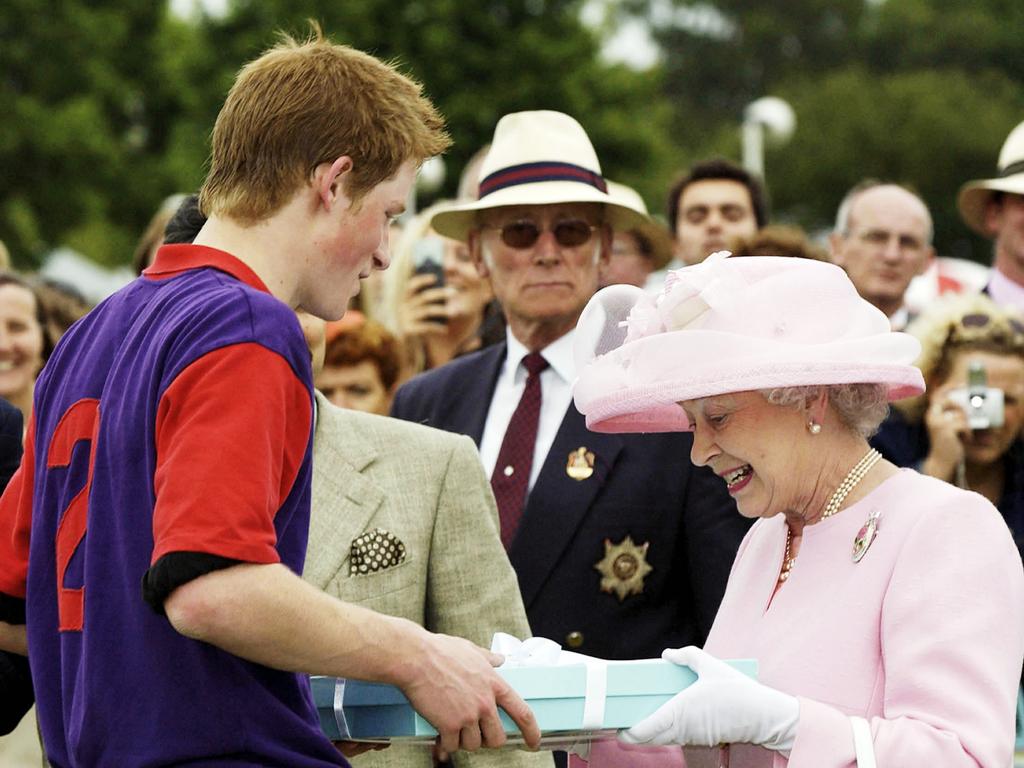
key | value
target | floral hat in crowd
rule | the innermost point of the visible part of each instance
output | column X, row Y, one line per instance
column 538, row 158
column 731, row 325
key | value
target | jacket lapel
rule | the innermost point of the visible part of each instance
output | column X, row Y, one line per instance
column 466, row 415
column 344, row 500
column 557, row 504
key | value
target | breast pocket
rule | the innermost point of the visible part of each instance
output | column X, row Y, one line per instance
column 373, row 587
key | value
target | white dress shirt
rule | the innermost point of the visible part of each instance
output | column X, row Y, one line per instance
column 556, row 394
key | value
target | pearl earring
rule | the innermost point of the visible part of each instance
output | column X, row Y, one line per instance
column 814, row 427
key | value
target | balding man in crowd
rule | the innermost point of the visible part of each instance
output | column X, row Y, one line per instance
column 995, row 208
column 883, row 239
column 622, row 547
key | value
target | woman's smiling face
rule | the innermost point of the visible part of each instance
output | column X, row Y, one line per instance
column 21, row 340
column 760, row 450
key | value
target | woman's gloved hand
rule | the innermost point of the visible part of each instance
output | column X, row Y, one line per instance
column 724, row 706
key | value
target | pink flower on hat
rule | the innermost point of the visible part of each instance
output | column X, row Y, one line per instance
column 644, row 319
column 690, row 292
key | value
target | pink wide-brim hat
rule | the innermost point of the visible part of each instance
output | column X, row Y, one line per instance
column 539, row 157
column 731, row 325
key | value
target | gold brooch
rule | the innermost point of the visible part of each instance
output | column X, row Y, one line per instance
column 624, row 567
column 580, row 465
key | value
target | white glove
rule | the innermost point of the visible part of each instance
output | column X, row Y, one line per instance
column 724, row 706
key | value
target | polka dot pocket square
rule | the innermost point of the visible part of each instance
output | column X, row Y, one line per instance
column 374, row 551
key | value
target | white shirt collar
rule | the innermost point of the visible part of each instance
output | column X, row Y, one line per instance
column 558, row 353
column 899, row 319
column 1003, row 290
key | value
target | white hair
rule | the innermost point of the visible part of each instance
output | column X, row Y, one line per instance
column 860, row 407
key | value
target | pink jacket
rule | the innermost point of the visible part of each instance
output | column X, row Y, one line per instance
column 924, row 636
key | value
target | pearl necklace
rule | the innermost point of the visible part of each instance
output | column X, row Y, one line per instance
column 855, row 475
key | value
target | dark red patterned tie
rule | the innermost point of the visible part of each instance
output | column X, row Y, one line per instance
column 512, row 472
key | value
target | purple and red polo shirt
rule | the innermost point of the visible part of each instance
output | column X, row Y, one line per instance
column 171, row 436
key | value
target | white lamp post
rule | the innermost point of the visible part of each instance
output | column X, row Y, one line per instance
column 769, row 116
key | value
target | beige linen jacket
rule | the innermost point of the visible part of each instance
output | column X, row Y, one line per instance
column 428, row 489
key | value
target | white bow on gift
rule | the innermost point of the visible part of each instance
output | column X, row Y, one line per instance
column 540, row 651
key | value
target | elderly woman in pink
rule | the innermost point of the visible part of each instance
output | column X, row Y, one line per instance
column 885, row 608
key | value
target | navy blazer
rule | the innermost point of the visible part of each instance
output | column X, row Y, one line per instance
column 642, row 487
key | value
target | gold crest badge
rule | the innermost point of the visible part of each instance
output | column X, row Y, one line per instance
column 624, row 567
column 580, row 465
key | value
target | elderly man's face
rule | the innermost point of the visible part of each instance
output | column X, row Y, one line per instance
column 543, row 260
column 887, row 245
column 1005, row 220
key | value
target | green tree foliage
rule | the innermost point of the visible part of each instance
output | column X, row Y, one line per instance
column 109, row 104
column 919, row 91
column 477, row 61
column 928, row 129
column 86, row 116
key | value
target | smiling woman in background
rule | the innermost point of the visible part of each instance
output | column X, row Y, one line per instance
column 885, row 608
column 435, row 301
column 25, row 343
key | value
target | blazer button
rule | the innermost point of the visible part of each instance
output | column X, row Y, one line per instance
column 574, row 639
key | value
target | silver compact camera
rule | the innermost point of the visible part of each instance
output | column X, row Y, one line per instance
column 982, row 404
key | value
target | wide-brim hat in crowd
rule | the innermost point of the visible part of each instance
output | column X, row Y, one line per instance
column 975, row 195
column 537, row 158
column 731, row 325
column 654, row 231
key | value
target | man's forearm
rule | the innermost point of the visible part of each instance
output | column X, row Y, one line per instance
column 267, row 614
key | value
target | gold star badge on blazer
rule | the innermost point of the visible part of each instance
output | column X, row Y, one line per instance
column 624, row 567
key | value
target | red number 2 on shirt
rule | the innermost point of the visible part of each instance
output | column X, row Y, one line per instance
column 78, row 423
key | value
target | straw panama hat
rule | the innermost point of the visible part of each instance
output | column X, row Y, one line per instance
column 731, row 325
column 537, row 158
column 974, row 195
column 653, row 230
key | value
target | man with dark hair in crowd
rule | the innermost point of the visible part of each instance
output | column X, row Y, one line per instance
column 714, row 202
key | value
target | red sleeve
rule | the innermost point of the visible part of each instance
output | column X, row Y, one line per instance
column 16, row 522
column 231, row 433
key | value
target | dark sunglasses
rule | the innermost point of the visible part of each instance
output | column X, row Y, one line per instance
column 569, row 233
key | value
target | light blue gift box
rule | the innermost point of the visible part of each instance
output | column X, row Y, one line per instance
column 355, row 710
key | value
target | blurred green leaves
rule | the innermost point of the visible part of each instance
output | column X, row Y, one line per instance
column 108, row 104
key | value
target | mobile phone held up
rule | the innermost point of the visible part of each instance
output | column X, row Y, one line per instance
column 428, row 259
column 982, row 404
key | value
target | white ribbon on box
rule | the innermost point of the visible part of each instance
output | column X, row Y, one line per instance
column 339, row 709
column 539, row 651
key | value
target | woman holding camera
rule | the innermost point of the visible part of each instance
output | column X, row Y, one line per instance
column 962, row 431
column 434, row 299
